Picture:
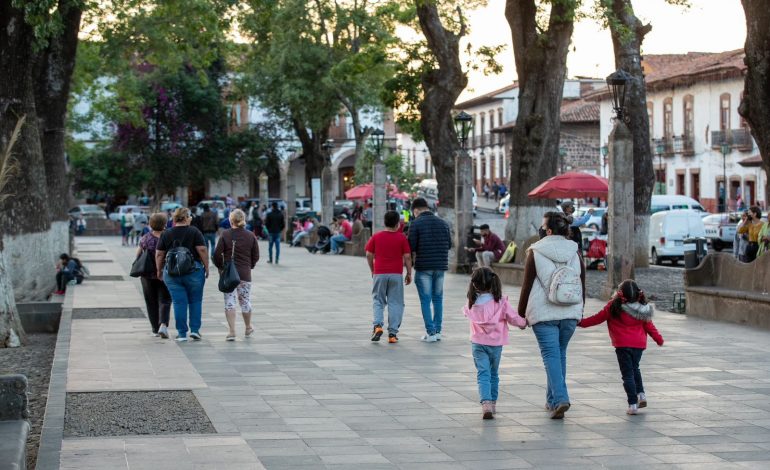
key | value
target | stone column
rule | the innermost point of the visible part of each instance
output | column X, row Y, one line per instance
column 327, row 195
column 379, row 201
column 463, row 209
column 263, row 194
column 621, row 207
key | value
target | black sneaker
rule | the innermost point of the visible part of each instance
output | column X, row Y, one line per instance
column 376, row 333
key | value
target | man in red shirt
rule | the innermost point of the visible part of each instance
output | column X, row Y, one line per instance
column 387, row 252
column 490, row 247
column 345, row 234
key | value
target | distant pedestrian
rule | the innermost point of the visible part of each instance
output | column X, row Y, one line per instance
column 275, row 223
column 387, row 253
column 69, row 270
column 495, row 190
column 489, row 314
column 241, row 246
column 553, row 310
column 156, row 295
column 430, row 241
column 127, row 225
column 486, row 191
column 741, row 240
column 140, row 223
column 751, row 229
column 185, row 248
column 629, row 321
column 209, row 226
column 502, row 191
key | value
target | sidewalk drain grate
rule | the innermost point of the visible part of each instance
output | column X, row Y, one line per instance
column 106, row 277
column 98, row 414
column 101, row 313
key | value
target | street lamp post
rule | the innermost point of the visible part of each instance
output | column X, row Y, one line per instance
column 327, row 192
column 725, row 148
column 659, row 149
column 463, row 192
column 379, row 193
column 621, row 189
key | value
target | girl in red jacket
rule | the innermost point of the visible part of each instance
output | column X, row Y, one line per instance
column 629, row 321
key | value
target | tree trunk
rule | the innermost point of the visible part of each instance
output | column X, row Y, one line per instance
column 11, row 333
column 627, row 36
column 441, row 88
column 541, row 58
column 53, row 73
column 755, row 105
column 315, row 155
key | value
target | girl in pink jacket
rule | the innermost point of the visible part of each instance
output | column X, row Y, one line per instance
column 490, row 314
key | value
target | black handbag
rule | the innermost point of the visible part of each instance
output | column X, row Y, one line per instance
column 229, row 279
column 143, row 265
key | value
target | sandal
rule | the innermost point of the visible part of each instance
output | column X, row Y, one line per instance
column 230, row 338
column 249, row 332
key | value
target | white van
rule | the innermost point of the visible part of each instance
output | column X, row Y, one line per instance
column 665, row 202
column 428, row 189
column 669, row 229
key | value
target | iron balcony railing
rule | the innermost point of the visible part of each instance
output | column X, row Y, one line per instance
column 739, row 139
column 669, row 146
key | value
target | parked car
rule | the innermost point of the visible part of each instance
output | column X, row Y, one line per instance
column 663, row 202
column 121, row 210
column 87, row 211
column 669, row 229
column 340, row 204
column 169, row 206
column 720, row 229
column 303, row 205
column 281, row 203
column 595, row 222
column 218, row 206
column 502, row 206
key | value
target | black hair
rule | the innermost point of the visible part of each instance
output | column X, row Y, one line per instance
column 275, row 206
column 557, row 223
column 484, row 227
column 484, row 279
column 64, row 256
column 628, row 292
column 756, row 210
column 391, row 219
column 420, row 203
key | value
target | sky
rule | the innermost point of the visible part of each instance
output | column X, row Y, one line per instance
column 707, row 26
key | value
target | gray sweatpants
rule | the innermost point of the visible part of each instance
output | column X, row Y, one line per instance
column 388, row 289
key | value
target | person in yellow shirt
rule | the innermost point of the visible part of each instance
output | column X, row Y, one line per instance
column 752, row 227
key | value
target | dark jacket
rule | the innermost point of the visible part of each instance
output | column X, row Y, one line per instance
column 430, row 241
column 274, row 222
column 246, row 251
column 209, row 222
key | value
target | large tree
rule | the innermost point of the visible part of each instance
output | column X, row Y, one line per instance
column 755, row 105
column 541, row 32
column 627, row 33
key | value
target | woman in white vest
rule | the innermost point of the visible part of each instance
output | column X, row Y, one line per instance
column 552, row 299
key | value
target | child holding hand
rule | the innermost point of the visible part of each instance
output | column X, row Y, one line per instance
column 489, row 314
column 629, row 321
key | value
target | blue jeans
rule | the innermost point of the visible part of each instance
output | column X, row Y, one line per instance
column 553, row 338
column 628, row 360
column 487, row 360
column 187, row 294
column 211, row 241
column 430, row 289
column 388, row 289
column 274, row 240
column 338, row 240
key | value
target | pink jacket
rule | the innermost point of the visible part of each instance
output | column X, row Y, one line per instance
column 490, row 320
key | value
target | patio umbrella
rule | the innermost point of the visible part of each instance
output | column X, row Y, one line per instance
column 362, row 191
column 571, row 185
column 402, row 195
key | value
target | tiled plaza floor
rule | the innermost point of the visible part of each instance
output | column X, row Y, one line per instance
column 311, row 391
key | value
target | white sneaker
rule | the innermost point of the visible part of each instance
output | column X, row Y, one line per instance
column 642, row 400
column 428, row 338
column 181, row 339
column 438, row 336
column 195, row 335
column 632, row 409
column 163, row 332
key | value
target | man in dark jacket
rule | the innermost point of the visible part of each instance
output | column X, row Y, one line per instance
column 209, row 226
column 274, row 223
column 430, row 241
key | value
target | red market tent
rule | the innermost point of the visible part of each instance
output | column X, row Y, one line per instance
column 572, row 185
column 366, row 191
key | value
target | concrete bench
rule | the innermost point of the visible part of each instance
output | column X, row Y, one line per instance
column 513, row 273
column 722, row 288
column 361, row 235
column 14, row 427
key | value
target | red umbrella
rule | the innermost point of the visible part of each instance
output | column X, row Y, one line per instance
column 402, row 195
column 571, row 185
column 362, row 191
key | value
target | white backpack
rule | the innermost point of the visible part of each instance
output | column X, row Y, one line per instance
column 565, row 287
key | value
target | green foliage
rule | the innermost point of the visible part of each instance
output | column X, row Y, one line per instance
column 102, row 170
column 396, row 168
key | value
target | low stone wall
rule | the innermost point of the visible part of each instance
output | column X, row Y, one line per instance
column 101, row 227
column 722, row 288
column 513, row 273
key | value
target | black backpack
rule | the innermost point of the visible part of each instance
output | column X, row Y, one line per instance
column 179, row 260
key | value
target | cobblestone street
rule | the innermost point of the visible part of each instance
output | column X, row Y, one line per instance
column 311, row 391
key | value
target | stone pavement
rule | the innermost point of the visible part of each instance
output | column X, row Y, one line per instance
column 311, row 391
